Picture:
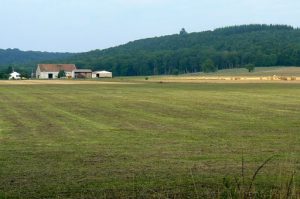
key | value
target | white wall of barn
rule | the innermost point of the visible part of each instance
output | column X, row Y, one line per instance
column 45, row 75
column 102, row 74
column 38, row 73
column 68, row 74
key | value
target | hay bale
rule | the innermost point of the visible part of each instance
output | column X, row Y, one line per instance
column 275, row 77
column 283, row 78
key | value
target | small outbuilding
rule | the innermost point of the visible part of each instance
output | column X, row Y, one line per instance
column 14, row 75
column 82, row 73
column 102, row 74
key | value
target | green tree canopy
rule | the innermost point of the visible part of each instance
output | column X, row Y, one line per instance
column 61, row 74
column 227, row 48
column 209, row 66
column 183, row 32
column 250, row 67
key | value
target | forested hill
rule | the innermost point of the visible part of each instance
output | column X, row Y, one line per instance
column 230, row 47
column 22, row 58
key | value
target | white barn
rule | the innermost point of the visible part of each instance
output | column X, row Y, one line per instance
column 50, row 71
column 102, row 74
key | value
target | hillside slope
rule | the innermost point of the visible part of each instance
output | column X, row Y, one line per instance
column 18, row 57
column 258, row 72
column 224, row 48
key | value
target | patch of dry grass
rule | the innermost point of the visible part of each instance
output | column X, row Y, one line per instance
column 57, row 82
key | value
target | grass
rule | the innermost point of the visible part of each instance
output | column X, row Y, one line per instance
column 259, row 71
column 236, row 72
column 148, row 140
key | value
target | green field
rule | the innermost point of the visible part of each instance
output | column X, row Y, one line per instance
column 235, row 72
column 148, row 140
column 259, row 71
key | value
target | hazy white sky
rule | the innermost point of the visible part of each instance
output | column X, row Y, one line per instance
column 83, row 25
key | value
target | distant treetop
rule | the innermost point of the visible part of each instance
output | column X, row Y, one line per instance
column 183, row 32
column 251, row 28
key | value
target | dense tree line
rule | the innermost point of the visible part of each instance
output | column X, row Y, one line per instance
column 25, row 61
column 223, row 48
column 16, row 57
column 5, row 72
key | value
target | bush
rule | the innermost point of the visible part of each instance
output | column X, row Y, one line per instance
column 61, row 74
column 209, row 66
column 250, row 67
column 3, row 75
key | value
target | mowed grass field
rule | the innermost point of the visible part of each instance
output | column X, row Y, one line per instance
column 148, row 140
column 259, row 71
column 237, row 75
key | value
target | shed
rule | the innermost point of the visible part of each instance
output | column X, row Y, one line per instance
column 102, row 74
column 82, row 73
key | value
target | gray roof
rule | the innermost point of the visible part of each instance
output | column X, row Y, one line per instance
column 82, row 71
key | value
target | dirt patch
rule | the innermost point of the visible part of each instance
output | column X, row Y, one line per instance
column 56, row 82
column 227, row 79
column 164, row 79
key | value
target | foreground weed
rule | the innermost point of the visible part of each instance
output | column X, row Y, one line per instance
column 237, row 188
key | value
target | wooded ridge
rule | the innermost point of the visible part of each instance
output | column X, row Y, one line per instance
column 229, row 47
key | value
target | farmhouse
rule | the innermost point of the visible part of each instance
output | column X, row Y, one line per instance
column 50, row 71
column 82, row 73
column 101, row 74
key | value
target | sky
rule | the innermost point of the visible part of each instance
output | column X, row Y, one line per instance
column 84, row 25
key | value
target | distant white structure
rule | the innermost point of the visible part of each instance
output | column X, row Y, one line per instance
column 102, row 74
column 14, row 75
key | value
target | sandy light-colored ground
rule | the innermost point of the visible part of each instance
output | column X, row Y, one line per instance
column 241, row 75
column 227, row 79
column 259, row 72
column 56, row 82
column 181, row 79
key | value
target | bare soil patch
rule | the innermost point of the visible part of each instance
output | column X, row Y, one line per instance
column 56, row 82
column 227, row 79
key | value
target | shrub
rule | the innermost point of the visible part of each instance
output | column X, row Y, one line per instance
column 250, row 67
column 209, row 66
column 61, row 74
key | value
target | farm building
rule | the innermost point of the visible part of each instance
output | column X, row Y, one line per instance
column 82, row 73
column 14, row 75
column 102, row 74
column 50, row 71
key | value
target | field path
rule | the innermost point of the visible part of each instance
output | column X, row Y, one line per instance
column 57, row 82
